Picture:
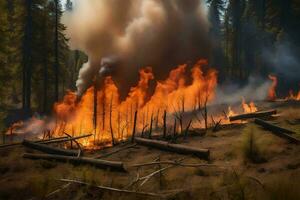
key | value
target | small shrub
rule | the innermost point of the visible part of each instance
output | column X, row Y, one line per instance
column 251, row 151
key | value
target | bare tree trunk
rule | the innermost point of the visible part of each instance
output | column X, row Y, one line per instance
column 157, row 119
column 95, row 108
column 134, row 126
column 127, row 122
column 205, row 116
column 103, row 110
column 165, row 124
column 56, row 52
column 119, row 122
column 151, row 123
column 27, row 59
column 183, row 104
column 204, row 112
column 110, row 121
column 187, row 129
column 174, row 130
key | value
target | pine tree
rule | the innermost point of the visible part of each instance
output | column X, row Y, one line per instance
column 235, row 13
column 216, row 7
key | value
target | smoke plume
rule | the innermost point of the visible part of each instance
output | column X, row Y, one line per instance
column 125, row 35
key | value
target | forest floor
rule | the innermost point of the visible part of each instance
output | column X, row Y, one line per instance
column 246, row 162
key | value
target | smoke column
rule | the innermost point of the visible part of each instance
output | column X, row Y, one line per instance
column 128, row 34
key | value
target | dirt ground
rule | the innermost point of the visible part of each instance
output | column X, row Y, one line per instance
column 246, row 162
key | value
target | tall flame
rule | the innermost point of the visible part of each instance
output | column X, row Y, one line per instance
column 115, row 117
column 272, row 89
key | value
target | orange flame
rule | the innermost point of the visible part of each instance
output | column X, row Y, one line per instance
column 272, row 89
column 113, row 115
column 292, row 96
column 248, row 108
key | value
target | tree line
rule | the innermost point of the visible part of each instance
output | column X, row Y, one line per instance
column 37, row 66
column 248, row 34
column 36, row 63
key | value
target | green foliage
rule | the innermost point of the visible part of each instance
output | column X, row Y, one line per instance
column 27, row 54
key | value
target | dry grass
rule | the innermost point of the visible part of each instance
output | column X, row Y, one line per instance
column 251, row 150
column 239, row 152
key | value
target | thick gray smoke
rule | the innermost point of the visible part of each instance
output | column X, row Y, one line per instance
column 284, row 59
column 128, row 34
column 255, row 90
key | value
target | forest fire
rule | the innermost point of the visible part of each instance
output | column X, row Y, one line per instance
column 101, row 112
column 111, row 119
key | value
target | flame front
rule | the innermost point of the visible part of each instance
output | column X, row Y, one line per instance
column 114, row 118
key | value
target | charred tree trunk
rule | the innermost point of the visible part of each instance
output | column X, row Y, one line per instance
column 157, row 119
column 103, row 110
column 151, row 123
column 174, row 130
column 187, row 129
column 95, row 108
column 110, row 121
column 119, row 122
column 134, row 126
column 165, row 124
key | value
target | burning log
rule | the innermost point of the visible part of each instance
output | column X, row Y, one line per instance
column 177, row 148
column 117, row 166
column 281, row 132
column 253, row 115
column 49, row 149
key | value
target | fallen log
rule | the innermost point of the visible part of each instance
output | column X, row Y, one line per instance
column 117, row 166
column 37, row 141
column 62, row 140
column 48, row 149
column 281, row 132
column 48, row 141
column 177, row 148
column 253, row 115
